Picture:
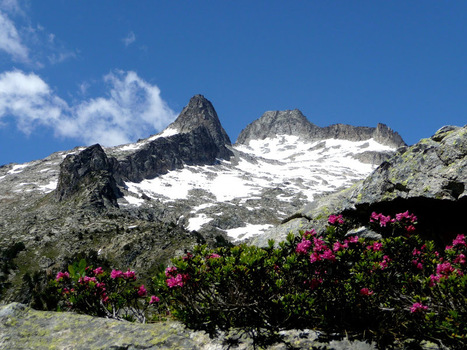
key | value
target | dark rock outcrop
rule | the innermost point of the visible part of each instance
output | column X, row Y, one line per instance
column 197, row 147
column 88, row 178
column 293, row 122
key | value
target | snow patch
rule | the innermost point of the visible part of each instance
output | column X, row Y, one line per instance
column 197, row 222
column 250, row 230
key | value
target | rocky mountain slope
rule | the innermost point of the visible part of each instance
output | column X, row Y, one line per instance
column 137, row 205
column 429, row 179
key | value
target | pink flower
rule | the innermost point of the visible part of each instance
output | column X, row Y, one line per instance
column 444, row 268
column 177, row 281
column 383, row 264
column 434, row 280
column 314, row 257
column 116, row 274
column 353, row 239
column 366, row 291
column 142, row 291
column 417, row 264
column 98, row 271
column 319, row 245
column 311, row 232
column 417, row 307
column 410, row 229
column 61, row 275
column 338, row 246
column 383, row 220
column 328, row 255
column 376, row 246
column 460, row 259
column 170, row 271
column 154, row 299
column 129, row 274
column 459, row 241
column 213, row 256
column 335, row 219
column 406, row 215
column 303, row 246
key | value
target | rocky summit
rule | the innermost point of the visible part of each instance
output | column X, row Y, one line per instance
column 138, row 205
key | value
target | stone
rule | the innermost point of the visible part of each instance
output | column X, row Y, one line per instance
column 24, row 328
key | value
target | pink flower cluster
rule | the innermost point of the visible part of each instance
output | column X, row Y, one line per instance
column 335, row 219
column 365, row 291
column 321, row 251
column 62, row 275
column 126, row 275
column 443, row 270
column 178, row 281
column 142, row 292
column 384, row 264
column 376, row 246
column 381, row 219
column 303, row 246
column 175, row 279
column 418, row 307
column 213, row 256
column 406, row 219
column 154, row 299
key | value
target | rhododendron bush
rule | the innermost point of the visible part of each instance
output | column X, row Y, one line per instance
column 116, row 295
column 386, row 290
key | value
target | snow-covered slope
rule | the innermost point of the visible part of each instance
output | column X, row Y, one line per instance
column 276, row 175
column 279, row 163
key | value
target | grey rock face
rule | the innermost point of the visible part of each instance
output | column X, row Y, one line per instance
column 89, row 174
column 272, row 123
column 25, row 328
column 293, row 122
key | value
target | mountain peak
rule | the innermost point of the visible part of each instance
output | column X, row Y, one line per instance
column 293, row 122
column 273, row 123
column 200, row 112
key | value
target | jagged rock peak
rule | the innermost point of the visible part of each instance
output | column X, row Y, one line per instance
column 200, row 112
column 273, row 123
column 293, row 122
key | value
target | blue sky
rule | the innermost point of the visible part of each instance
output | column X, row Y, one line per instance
column 112, row 71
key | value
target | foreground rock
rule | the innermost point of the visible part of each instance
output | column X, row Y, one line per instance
column 25, row 328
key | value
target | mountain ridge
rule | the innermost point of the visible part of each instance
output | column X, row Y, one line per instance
column 139, row 204
column 293, row 122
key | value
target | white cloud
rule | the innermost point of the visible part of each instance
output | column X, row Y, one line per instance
column 132, row 108
column 129, row 39
column 10, row 40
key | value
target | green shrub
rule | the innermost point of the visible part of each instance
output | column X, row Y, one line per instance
column 385, row 290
